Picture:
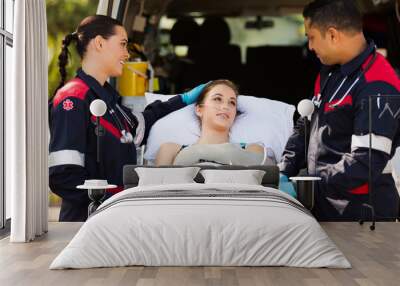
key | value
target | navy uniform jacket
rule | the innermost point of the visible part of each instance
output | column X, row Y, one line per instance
column 73, row 145
column 339, row 138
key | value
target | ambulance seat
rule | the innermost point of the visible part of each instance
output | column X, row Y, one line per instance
column 184, row 32
column 214, row 57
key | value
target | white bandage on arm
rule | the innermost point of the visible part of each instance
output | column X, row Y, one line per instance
column 140, row 129
column 66, row 157
column 380, row 143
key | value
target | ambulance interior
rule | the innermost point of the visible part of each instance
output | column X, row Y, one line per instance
column 260, row 45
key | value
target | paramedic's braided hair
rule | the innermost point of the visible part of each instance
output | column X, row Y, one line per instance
column 63, row 58
column 88, row 29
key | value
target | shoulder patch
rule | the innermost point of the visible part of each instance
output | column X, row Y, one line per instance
column 381, row 70
column 74, row 88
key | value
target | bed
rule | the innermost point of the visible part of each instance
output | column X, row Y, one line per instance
column 201, row 224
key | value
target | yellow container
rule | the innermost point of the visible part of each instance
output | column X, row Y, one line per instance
column 134, row 80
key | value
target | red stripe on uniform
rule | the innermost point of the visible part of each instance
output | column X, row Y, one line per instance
column 108, row 126
column 381, row 70
column 74, row 88
column 361, row 190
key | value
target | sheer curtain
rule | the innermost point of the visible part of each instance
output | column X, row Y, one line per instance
column 26, row 123
column 102, row 7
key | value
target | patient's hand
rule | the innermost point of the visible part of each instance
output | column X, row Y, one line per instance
column 167, row 153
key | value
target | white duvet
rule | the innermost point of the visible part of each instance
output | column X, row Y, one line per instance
column 201, row 224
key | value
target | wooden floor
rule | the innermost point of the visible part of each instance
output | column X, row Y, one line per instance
column 375, row 257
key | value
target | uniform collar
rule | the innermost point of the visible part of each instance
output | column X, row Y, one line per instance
column 353, row 65
column 106, row 92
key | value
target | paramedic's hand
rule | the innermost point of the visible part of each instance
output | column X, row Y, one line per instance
column 286, row 186
column 191, row 96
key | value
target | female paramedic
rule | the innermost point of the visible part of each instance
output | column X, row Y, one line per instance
column 101, row 42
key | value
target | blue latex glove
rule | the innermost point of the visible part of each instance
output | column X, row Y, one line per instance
column 286, row 186
column 191, row 96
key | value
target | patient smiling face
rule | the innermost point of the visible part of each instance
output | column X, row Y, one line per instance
column 217, row 105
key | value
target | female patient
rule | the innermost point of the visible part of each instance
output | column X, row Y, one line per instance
column 216, row 108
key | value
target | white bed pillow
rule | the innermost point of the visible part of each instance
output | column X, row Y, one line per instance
column 261, row 120
column 166, row 176
column 247, row 177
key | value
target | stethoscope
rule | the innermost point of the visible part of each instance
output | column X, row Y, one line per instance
column 316, row 100
column 126, row 135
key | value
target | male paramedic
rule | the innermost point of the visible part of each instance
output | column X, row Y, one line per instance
column 338, row 149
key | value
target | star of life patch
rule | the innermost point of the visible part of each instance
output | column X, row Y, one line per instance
column 68, row 105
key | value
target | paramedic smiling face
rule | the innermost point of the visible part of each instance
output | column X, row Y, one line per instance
column 112, row 61
column 338, row 148
column 328, row 42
